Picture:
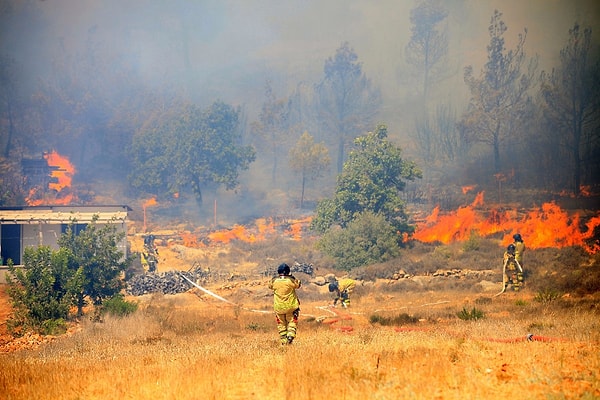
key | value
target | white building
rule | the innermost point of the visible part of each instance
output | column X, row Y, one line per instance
column 32, row 226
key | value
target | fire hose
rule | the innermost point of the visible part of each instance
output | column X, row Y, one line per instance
column 344, row 316
column 216, row 296
column 504, row 283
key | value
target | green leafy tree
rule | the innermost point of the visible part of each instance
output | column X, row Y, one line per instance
column 499, row 104
column 95, row 262
column 367, row 239
column 571, row 102
column 40, row 292
column 372, row 179
column 348, row 102
column 188, row 148
column 309, row 160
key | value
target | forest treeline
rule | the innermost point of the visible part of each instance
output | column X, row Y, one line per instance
column 523, row 125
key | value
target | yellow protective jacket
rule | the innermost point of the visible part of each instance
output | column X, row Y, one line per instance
column 519, row 249
column 284, row 293
column 509, row 261
column 346, row 284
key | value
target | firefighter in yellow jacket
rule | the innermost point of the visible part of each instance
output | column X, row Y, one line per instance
column 285, row 303
column 519, row 248
column 513, row 273
column 342, row 290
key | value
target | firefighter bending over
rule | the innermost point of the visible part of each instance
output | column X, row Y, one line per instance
column 285, row 303
column 342, row 290
column 513, row 274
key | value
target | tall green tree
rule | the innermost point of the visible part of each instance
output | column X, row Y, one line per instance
column 372, row 179
column 309, row 160
column 348, row 101
column 95, row 262
column 190, row 149
column 570, row 97
column 499, row 102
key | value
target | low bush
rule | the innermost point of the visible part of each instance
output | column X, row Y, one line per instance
column 398, row 320
column 118, row 306
column 472, row 315
column 547, row 295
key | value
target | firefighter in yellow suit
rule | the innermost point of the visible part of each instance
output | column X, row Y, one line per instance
column 285, row 303
column 519, row 248
column 513, row 274
column 342, row 289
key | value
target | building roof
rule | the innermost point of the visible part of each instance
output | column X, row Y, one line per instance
column 63, row 214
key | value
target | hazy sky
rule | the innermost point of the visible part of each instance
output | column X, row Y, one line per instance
column 231, row 46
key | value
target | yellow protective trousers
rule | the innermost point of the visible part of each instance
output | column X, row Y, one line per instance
column 287, row 324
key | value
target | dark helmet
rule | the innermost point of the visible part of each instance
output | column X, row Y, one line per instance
column 517, row 237
column 333, row 286
column 283, row 269
column 511, row 248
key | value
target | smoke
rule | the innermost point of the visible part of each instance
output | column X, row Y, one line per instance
column 227, row 49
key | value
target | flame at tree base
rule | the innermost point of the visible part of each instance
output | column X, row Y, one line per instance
column 548, row 226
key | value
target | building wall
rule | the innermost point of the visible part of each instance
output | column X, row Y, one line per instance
column 41, row 234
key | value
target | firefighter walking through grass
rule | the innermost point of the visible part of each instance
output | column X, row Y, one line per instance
column 285, row 303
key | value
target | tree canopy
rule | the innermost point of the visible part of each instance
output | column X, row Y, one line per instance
column 190, row 149
column 95, row 262
column 571, row 103
column 428, row 43
column 347, row 100
column 309, row 159
column 88, row 266
column 499, row 96
column 372, row 179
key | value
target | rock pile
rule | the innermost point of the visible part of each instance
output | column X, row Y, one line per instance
column 305, row 268
column 169, row 282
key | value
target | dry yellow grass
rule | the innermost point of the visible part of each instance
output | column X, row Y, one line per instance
column 190, row 347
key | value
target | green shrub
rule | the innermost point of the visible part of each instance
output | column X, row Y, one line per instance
column 546, row 296
column 368, row 239
column 472, row 244
column 53, row 327
column 472, row 315
column 118, row 306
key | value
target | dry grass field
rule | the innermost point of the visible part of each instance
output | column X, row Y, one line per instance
column 397, row 341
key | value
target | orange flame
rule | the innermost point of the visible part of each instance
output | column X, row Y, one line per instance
column 467, row 189
column 295, row 229
column 548, row 226
column 237, row 232
column 261, row 230
column 189, row 240
column 150, row 202
column 64, row 174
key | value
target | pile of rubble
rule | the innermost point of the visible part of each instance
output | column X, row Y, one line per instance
column 305, row 268
column 169, row 282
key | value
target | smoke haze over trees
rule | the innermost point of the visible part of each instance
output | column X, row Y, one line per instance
column 118, row 88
